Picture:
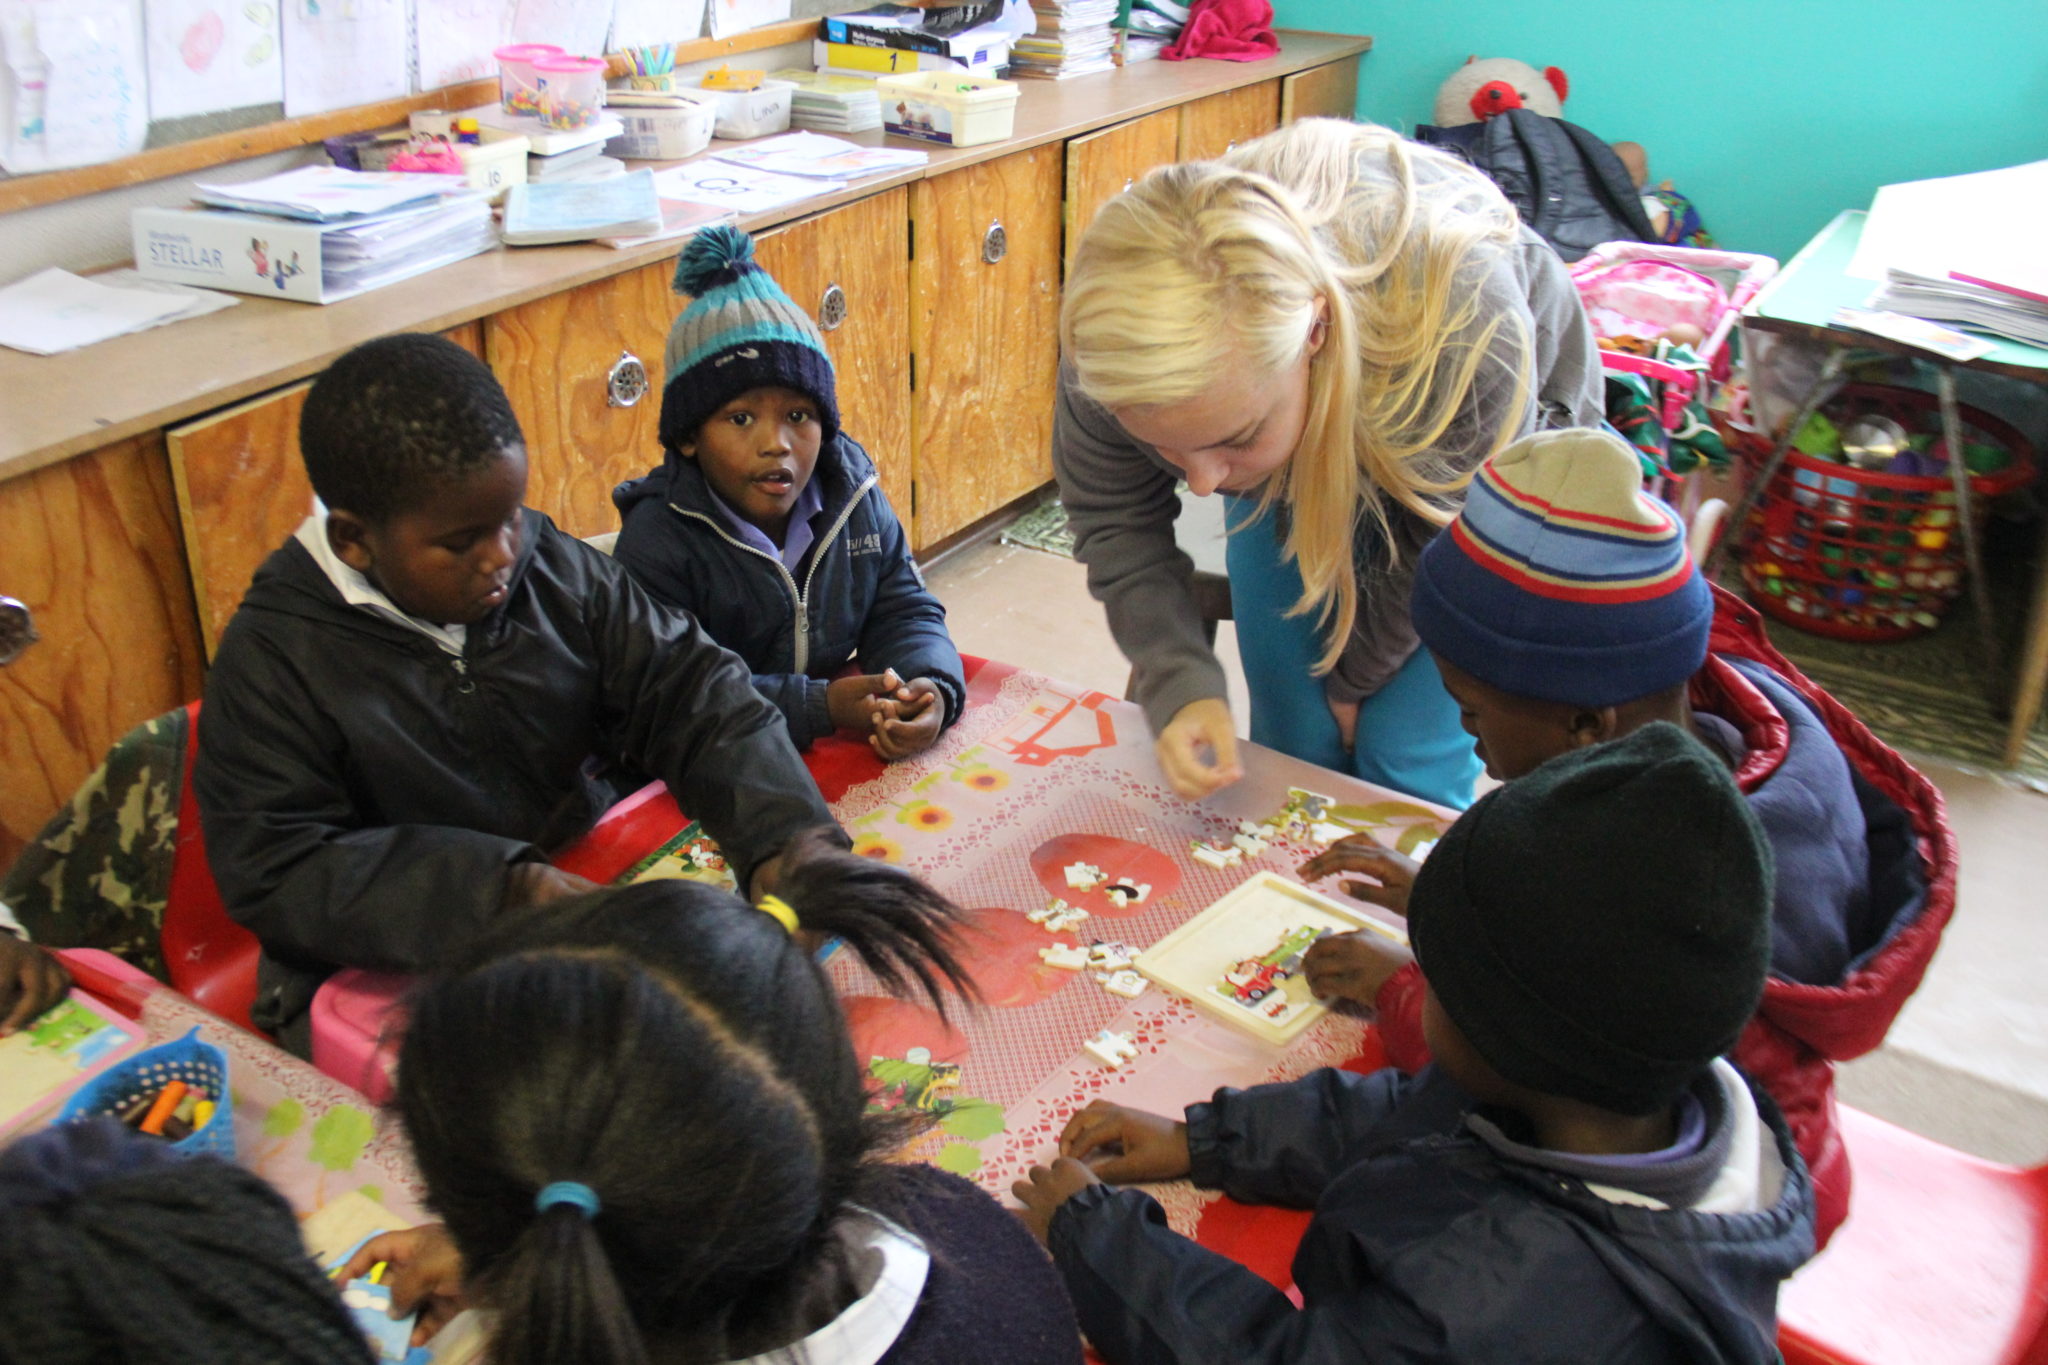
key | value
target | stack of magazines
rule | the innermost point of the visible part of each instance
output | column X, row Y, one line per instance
column 1074, row 38
column 2013, row 303
column 832, row 104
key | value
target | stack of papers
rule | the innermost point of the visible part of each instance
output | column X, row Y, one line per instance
column 819, row 157
column 1962, row 249
column 1074, row 38
column 55, row 310
column 583, row 210
column 396, row 246
column 1150, row 27
column 328, row 194
column 835, row 104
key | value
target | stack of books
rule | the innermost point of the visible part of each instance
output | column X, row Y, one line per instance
column 829, row 103
column 1149, row 27
column 2008, row 302
column 1074, row 38
column 898, row 40
column 587, row 162
column 317, row 234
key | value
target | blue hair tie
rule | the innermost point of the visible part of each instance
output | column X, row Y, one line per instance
column 567, row 1192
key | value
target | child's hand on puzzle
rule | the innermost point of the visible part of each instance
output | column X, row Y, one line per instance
column 1104, row 1142
column 1353, row 966
column 425, row 1274
column 31, row 980
column 908, row 719
column 538, row 883
column 1392, row 873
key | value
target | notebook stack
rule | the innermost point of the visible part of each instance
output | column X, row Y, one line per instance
column 832, row 104
column 1149, row 27
column 1074, row 38
column 317, row 234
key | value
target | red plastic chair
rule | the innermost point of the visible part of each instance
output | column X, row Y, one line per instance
column 211, row 958
column 1944, row 1261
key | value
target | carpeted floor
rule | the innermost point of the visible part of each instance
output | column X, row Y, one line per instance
column 1923, row 696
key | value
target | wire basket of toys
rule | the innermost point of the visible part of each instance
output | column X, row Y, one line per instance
column 1857, row 537
column 177, row 1091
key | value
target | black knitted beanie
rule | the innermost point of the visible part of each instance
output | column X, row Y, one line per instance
column 114, row 1249
column 1599, row 928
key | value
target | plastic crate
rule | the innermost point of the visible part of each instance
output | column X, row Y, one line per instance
column 948, row 107
column 190, row 1059
column 1864, row 555
column 749, row 113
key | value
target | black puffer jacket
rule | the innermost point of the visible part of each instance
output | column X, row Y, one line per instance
column 363, row 790
column 1567, row 184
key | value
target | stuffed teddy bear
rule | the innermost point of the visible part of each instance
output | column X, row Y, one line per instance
column 1482, row 88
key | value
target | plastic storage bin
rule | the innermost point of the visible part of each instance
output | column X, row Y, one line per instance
column 1866, row 555
column 947, row 107
column 749, row 113
column 190, row 1059
column 662, row 134
column 518, row 91
column 571, row 91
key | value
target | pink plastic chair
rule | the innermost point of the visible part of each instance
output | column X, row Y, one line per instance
column 1944, row 1261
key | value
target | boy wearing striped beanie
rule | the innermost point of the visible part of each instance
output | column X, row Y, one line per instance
column 1564, row 611
column 767, row 524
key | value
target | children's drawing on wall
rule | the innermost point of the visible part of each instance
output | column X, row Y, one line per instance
column 457, row 37
column 207, row 55
column 339, row 53
column 73, row 90
column 737, row 16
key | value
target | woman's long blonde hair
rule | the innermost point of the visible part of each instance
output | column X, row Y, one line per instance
column 1207, row 267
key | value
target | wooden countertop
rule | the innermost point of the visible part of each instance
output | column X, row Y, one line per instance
column 54, row 407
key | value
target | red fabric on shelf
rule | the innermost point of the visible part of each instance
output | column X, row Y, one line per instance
column 1229, row 30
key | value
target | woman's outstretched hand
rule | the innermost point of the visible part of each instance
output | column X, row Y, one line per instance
column 1198, row 748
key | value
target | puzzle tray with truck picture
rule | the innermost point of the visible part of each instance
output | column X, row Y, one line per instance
column 1248, row 923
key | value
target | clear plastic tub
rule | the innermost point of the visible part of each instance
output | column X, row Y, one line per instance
column 518, row 92
column 656, row 133
column 571, row 91
column 750, row 113
column 947, row 106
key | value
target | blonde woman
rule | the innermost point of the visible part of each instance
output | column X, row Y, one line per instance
column 1333, row 327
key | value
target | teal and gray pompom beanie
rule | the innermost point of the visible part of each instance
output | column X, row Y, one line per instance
column 739, row 332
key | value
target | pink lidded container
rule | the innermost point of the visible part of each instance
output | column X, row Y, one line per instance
column 518, row 91
column 571, row 91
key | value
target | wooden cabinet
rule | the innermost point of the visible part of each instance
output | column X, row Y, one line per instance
column 557, row 358
column 242, row 490
column 1328, row 91
column 985, row 274
column 850, row 270
column 91, row 547
column 1211, row 126
column 1103, row 164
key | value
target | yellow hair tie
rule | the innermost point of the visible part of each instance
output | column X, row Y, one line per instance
column 780, row 910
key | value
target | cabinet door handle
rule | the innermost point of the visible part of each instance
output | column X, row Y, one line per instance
column 831, row 308
column 626, row 384
column 995, row 243
column 17, row 630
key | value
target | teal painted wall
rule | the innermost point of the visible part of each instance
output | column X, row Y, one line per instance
column 1771, row 114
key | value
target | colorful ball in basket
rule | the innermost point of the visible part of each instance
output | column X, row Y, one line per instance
column 571, row 91
column 191, row 1059
column 518, row 92
column 1869, row 555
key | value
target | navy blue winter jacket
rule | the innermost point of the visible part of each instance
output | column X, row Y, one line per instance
column 857, row 593
column 1427, row 1245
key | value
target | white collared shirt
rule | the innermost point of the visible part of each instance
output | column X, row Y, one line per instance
column 361, row 593
column 870, row 1325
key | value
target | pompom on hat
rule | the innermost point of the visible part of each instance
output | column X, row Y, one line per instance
column 739, row 332
column 1562, row 580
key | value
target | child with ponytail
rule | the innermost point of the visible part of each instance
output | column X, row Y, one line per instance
column 644, row 1123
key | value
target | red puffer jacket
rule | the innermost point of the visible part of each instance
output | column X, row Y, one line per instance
column 1802, row 1028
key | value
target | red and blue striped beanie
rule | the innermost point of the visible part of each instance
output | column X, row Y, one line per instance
column 1562, row 580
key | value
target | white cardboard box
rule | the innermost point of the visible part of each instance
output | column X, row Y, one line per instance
column 220, row 249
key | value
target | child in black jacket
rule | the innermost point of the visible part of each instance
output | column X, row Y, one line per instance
column 766, row 523
column 1579, row 1177
column 410, row 708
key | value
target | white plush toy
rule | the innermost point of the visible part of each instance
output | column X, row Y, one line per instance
column 1479, row 89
